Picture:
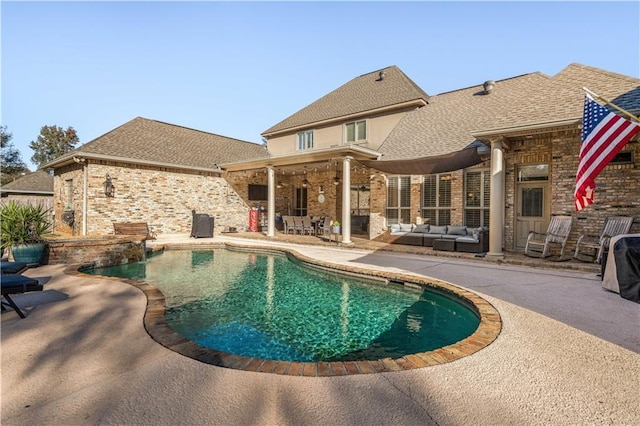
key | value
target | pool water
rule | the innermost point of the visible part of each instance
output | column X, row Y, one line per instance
column 264, row 305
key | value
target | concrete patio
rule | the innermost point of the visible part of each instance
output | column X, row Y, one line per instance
column 568, row 353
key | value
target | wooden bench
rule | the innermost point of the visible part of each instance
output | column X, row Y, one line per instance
column 133, row 228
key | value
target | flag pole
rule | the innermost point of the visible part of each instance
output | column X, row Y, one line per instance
column 626, row 113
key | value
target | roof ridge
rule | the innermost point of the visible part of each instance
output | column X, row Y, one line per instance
column 496, row 81
column 196, row 130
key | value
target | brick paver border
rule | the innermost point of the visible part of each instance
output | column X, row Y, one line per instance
column 157, row 327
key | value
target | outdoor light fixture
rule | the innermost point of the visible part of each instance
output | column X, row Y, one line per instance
column 279, row 185
column 336, row 181
column 305, row 183
column 109, row 189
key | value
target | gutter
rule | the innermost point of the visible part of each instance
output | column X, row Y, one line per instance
column 536, row 126
column 305, row 156
column 68, row 159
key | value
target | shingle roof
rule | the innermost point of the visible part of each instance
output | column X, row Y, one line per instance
column 448, row 122
column 364, row 93
column 36, row 182
column 148, row 140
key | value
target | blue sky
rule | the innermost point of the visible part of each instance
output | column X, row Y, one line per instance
column 237, row 68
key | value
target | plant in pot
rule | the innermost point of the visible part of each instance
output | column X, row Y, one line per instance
column 335, row 227
column 23, row 228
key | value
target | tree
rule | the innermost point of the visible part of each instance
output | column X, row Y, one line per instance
column 12, row 164
column 52, row 142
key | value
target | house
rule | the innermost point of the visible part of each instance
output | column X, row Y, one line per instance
column 501, row 154
column 34, row 188
column 148, row 171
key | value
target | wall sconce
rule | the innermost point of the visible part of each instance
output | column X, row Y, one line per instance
column 109, row 189
column 279, row 184
column 305, row 183
column 336, row 181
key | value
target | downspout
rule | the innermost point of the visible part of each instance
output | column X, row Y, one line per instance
column 85, row 197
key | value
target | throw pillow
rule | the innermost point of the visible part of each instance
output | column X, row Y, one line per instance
column 438, row 229
column 422, row 229
column 457, row 230
column 406, row 227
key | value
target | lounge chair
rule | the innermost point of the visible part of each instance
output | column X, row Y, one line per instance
column 15, row 284
column 590, row 248
column 12, row 267
column 541, row 245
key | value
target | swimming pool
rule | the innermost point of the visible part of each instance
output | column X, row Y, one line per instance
column 269, row 306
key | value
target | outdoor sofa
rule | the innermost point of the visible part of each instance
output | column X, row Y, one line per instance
column 467, row 239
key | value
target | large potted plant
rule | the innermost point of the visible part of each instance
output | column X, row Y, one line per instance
column 335, row 227
column 23, row 228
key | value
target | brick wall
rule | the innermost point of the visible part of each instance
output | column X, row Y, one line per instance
column 617, row 186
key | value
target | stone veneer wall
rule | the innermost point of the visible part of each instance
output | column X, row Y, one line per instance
column 97, row 251
column 161, row 197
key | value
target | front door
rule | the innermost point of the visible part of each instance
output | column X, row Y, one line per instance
column 532, row 203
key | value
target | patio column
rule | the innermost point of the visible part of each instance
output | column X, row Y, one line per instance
column 496, row 206
column 271, row 202
column 346, row 200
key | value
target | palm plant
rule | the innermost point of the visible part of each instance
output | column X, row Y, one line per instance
column 23, row 224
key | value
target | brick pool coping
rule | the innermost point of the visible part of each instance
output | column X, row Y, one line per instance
column 157, row 327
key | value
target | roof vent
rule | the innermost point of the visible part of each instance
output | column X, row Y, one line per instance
column 488, row 86
column 381, row 75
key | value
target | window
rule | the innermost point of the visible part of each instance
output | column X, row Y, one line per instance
column 531, row 173
column 436, row 199
column 300, row 201
column 356, row 131
column 476, row 200
column 398, row 199
column 305, row 140
column 624, row 157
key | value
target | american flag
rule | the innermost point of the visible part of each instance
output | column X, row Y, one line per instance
column 603, row 136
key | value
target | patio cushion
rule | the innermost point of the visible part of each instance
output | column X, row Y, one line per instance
column 12, row 267
column 457, row 230
column 438, row 229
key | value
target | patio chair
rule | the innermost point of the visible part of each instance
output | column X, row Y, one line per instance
column 324, row 226
column 298, row 225
column 288, row 224
column 541, row 245
column 307, row 226
column 14, row 284
column 590, row 248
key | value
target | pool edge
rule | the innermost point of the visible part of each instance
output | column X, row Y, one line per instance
column 156, row 326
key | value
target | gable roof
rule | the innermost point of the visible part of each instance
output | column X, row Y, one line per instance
column 450, row 120
column 142, row 140
column 39, row 182
column 369, row 92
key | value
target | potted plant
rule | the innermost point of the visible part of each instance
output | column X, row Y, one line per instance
column 23, row 228
column 335, row 227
